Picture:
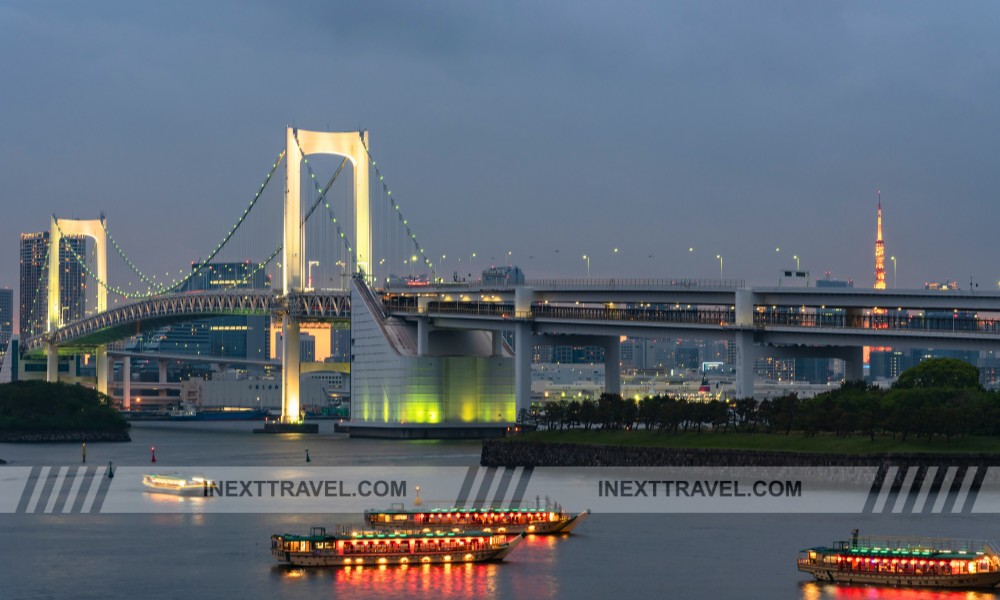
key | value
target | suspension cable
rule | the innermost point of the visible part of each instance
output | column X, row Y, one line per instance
column 388, row 192
column 161, row 288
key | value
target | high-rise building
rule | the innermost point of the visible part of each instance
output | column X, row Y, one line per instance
column 237, row 336
column 35, row 285
column 6, row 320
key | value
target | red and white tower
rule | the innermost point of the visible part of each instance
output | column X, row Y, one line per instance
column 879, row 250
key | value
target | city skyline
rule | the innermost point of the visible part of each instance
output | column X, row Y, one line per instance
column 529, row 141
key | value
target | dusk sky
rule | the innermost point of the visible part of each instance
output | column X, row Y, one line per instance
column 730, row 127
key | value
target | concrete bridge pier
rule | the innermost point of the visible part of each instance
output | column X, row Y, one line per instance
column 162, row 378
column 854, row 363
column 127, row 383
column 423, row 336
column 101, row 356
column 52, row 363
column 497, row 340
column 746, row 353
column 290, row 370
column 613, row 365
column 522, row 365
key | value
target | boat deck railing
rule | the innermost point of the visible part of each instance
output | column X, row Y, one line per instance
column 445, row 506
column 913, row 544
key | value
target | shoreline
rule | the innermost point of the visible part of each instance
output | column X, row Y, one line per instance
column 58, row 436
column 511, row 453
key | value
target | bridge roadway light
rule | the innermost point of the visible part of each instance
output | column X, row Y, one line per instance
column 798, row 266
column 719, row 256
column 587, row 258
column 893, row 259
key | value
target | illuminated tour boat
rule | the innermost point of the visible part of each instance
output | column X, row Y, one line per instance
column 176, row 484
column 503, row 520
column 320, row 549
column 907, row 562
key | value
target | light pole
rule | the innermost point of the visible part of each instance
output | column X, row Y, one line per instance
column 413, row 259
column 587, row 258
column 312, row 264
column 719, row 256
column 798, row 265
column 509, row 253
column 893, row 259
column 343, row 272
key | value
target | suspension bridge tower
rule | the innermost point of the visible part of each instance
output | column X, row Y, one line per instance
column 93, row 229
column 300, row 143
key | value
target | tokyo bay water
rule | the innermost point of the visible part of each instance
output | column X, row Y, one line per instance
column 227, row 555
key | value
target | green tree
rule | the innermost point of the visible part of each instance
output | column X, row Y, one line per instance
column 939, row 373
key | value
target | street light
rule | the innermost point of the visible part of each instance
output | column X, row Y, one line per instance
column 719, row 256
column 587, row 258
column 509, row 253
column 798, row 265
column 893, row 259
column 312, row 264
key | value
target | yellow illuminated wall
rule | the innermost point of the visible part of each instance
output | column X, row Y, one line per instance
column 390, row 389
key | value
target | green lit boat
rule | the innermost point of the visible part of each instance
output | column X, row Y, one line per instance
column 905, row 562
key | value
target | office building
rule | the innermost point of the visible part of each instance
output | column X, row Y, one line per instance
column 34, row 281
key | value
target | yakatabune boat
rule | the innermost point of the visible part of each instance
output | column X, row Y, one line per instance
column 175, row 483
column 504, row 520
column 909, row 562
column 320, row 549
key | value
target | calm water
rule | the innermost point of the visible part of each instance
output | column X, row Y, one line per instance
column 227, row 556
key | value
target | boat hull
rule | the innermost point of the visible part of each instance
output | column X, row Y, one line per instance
column 333, row 559
column 959, row 581
column 222, row 415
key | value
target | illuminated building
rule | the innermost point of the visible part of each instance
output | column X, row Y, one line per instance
column 6, row 320
column 34, row 281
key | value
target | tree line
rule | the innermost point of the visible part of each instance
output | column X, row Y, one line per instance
column 33, row 405
column 938, row 397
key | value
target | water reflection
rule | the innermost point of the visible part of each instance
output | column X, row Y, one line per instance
column 821, row 591
column 527, row 573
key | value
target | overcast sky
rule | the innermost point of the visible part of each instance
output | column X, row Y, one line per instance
column 729, row 127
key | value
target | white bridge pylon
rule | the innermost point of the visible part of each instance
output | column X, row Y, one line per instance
column 94, row 229
column 300, row 143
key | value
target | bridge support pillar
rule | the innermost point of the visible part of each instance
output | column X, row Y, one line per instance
column 423, row 336
column 102, row 369
column 52, row 363
column 746, row 354
column 522, row 366
column 612, row 366
column 127, row 383
column 290, row 370
column 744, row 307
column 854, row 364
column 497, row 339
column 162, row 365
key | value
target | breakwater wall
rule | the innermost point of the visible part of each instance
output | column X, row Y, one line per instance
column 514, row 453
column 48, row 436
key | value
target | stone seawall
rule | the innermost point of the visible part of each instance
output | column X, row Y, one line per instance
column 48, row 436
column 511, row 453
